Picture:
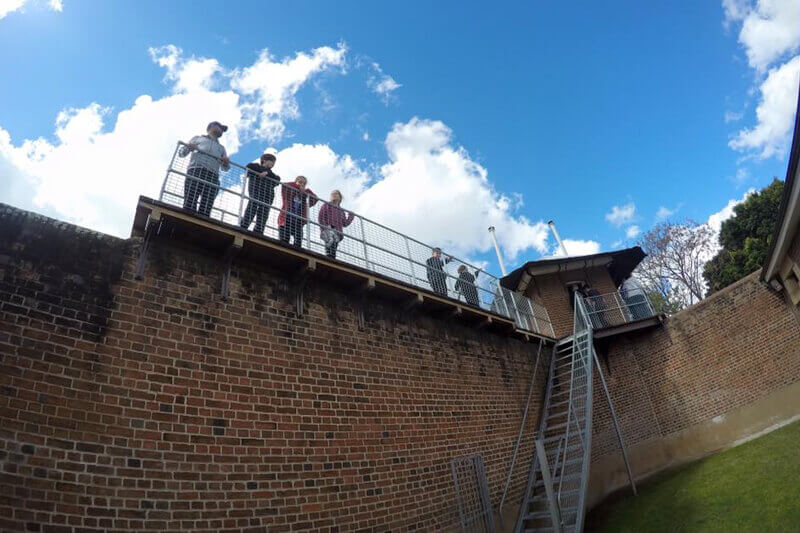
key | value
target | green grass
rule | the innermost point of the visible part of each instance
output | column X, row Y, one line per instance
column 753, row 487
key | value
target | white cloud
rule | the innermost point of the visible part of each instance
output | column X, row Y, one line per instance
column 575, row 248
column 769, row 35
column 620, row 215
column 741, row 176
column 98, row 164
column 187, row 75
column 733, row 116
column 775, row 113
column 715, row 220
column 382, row 84
column 269, row 87
column 769, row 30
column 9, row 6
column 324, row 169
column 434, row 192
column 664, row 213
column 632, row 232
column 92, row 177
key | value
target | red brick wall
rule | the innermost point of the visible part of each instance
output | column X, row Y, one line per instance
column 152, row 405
column 552, row 292
column 724, row 353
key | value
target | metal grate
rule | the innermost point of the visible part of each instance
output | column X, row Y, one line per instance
column 362, row 242
column 472, row 494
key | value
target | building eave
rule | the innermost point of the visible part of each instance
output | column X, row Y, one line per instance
column 789, row 212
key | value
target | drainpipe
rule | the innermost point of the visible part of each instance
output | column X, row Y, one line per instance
column 552, row 225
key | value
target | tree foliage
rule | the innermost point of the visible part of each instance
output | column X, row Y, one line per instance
column 672, row 272
column 745, row 238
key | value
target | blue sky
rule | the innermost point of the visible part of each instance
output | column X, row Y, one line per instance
column 510, row 115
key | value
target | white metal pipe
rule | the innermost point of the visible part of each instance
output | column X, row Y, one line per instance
column 497, row 249
column 552, row 225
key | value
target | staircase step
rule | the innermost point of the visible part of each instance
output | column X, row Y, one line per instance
column 563, row 425
column 543, row 497
column 568, row 477
column 562, row 393
column 536, row 515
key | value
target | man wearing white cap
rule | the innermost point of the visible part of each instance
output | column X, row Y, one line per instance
column 202, row 181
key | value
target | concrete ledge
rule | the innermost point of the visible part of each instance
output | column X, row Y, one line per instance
column 726, row 431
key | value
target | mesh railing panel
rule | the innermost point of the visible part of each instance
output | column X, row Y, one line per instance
column 472, row 494
column 225, row 194
column 617, row 308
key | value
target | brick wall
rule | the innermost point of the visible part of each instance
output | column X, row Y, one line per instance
column 552, row 292
column 153, row 404
column 729, row 351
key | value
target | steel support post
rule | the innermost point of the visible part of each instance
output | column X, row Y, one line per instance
column 521, row 430
column 614, row 418
column 555, row 512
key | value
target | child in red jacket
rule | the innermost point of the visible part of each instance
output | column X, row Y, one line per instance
column 294, row 211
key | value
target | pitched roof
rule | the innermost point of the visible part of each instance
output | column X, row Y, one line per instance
column 620, row 264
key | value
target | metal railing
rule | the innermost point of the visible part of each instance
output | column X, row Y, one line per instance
column 227, row 194
column 619, row 307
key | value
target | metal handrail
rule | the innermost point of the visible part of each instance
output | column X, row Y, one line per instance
column 618, row 307
column 231, row 192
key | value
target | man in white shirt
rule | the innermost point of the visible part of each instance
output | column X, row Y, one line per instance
column 202, row 181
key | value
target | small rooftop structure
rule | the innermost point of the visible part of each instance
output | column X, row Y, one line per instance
column 613, row 308
column 620, row 264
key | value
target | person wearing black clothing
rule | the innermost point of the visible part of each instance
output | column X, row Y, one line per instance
column 465, row 284
column 436, row 275
column 261, row 183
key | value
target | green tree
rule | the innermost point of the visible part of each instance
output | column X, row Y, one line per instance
column 745, row 237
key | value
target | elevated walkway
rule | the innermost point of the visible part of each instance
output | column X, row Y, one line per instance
column 159, row 220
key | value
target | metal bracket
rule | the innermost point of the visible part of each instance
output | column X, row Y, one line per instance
column 299, row 282
column 232, row 251
column 454, row 313
column 152, row 227
column 415, row 300
column 362, row 291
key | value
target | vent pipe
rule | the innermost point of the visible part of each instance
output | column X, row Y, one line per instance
column 497, row 249
column 552, row 225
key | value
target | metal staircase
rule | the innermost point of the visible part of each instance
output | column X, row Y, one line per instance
column 555, row 497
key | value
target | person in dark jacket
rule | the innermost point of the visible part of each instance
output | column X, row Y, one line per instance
column 465, row 284
column 294, row 211
column 261, row 183
column 332, row 221
column 436, row 274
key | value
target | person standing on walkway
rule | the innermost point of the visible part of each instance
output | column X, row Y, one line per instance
column 202, row 177
column 332, row 221
column 465, row 284
column 294, row 211
column 261, row 183
column 436, row 274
